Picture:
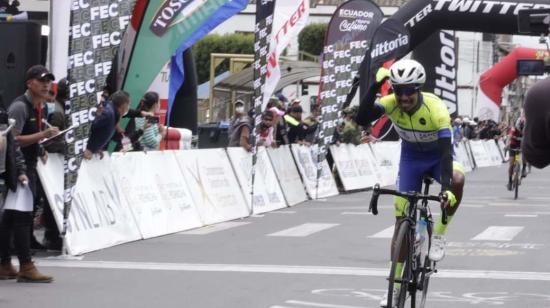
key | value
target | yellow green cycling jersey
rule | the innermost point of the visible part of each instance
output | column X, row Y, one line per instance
column 421, row 130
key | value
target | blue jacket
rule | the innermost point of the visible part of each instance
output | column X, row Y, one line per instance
column 103, row 128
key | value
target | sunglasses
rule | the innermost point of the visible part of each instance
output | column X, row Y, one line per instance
column 405, row 90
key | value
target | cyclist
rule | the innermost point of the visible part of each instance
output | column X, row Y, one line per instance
column 424, row 125
column 514, row 146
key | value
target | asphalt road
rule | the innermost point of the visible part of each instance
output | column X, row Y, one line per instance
column 326, row 253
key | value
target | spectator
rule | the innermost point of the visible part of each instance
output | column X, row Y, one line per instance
column 238, row 114
column 312, row 125
column 536, row 136
column 14, row 221
column 351, row 132
column 28, row 110
column 241, row 134
column 56, row 117
column 149, row 132
column 296, row 129
column 458, row 131
column 265, row 131
column 103, row 126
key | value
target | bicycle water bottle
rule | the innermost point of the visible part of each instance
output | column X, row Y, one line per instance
column 421, row 241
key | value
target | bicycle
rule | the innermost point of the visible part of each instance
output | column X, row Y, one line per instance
column 516, row 173
column 416, row 274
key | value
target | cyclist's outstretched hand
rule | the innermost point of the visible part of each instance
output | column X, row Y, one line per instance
column 382, row 75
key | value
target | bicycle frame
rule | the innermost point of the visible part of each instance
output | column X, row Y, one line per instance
column 415, row 275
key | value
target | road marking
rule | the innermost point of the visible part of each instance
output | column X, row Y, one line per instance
column 283, row 212
column 312, row 304
column 386, row 233
column 498, row 233
column 303, row 230
column 356, row 213
column 288, row 269
column 522, row 215
column 215, row 228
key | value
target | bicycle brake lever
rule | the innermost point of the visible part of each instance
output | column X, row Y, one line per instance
column 373, row 206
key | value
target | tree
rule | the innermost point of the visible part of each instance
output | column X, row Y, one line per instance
column 236, row 43
column 312, row 38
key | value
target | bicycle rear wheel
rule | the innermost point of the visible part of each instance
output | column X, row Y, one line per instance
column 403, row 237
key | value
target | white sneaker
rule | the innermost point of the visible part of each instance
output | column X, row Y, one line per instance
column 395, row 296
column 437, row 251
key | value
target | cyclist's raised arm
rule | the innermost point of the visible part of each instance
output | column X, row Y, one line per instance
column 368, row 109
column 442, row 119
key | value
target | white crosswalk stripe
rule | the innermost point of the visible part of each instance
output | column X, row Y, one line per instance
column 304, row 230
column 498, row 233
column 386, row 233
column 215, row 228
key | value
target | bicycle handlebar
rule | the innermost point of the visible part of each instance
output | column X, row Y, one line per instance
column 377, row 191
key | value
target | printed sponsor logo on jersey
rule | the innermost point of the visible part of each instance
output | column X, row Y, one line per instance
column 388, row 46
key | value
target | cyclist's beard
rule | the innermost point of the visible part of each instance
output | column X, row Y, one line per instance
column 407, row 104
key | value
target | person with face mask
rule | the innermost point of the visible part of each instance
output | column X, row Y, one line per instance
column 104, row 126
column 239, row 113
column 424, row 125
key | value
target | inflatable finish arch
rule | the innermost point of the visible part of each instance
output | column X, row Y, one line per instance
column 417, row 19
column 493, row 80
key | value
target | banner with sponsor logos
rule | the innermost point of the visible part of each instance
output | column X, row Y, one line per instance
column 306, row 161
column 462, row 156
column 97, row 27
column 214, row 186
column 154, row 188
column 100, row 216
column 439, row 56
column 268, row 195
column 287, row 174
column 222, row 13
column 157, row 30
column 423, row 17
column 348, row 36
column 480, row 154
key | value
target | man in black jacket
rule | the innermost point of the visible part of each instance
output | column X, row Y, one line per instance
column 14, row 222
column 536, row 135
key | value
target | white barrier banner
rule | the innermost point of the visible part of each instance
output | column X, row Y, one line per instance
column 306, row 160
column 100, row 217
column 156, row 192
column 480, row 153
column 287, row 173
column 353, row 168
column 493, row 151
column 213, row 185
column 364, row 151
column 267, row 192
column 387, row 155
column 461, row 154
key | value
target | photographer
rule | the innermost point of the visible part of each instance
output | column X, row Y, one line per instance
column 149, row 132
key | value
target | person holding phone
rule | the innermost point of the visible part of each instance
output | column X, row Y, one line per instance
column 149, row 132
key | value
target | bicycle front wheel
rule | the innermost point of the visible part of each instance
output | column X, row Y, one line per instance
column 425, row 280
column 400, row 283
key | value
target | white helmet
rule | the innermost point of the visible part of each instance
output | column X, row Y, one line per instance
column 407, row 71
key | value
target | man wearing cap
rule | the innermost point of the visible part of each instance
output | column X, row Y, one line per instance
column 28, row 110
